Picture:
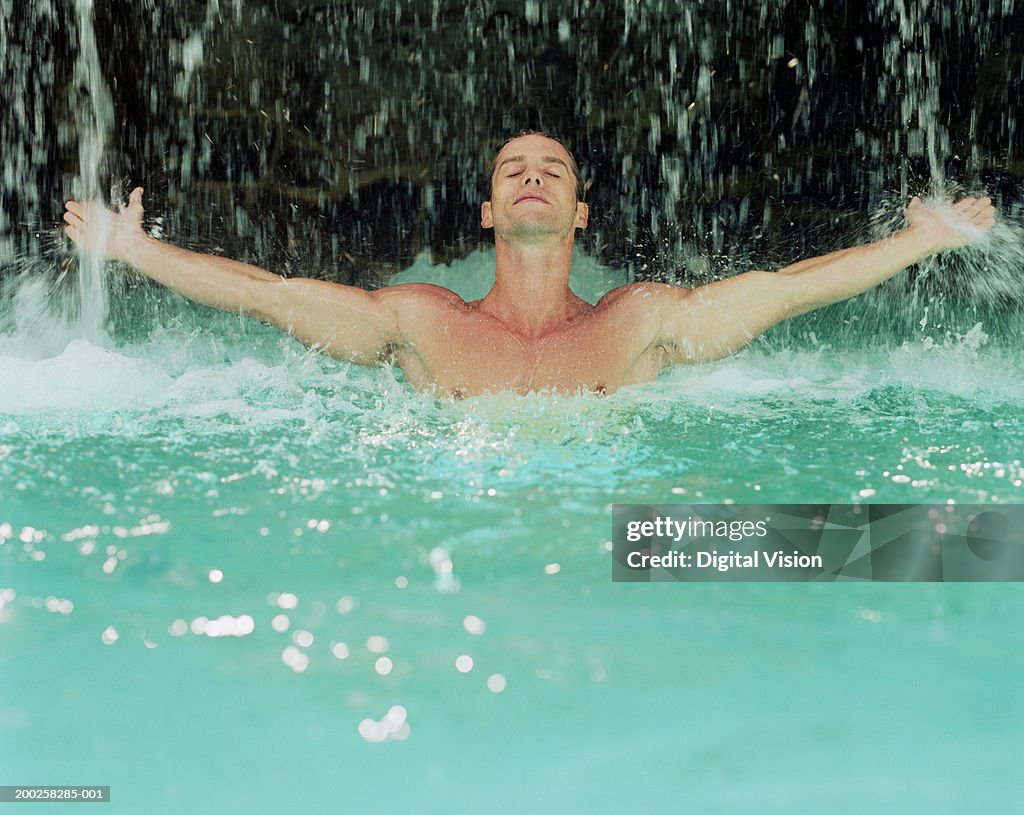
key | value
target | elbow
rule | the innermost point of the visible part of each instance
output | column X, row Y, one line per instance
column 788, row 297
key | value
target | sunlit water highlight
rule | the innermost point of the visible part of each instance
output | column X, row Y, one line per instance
column 233, row 569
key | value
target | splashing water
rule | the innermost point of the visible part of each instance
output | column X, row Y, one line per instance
column 719, row 137
column 987, row 273
column 43, row 312
column 94, row 121
column 145, row 452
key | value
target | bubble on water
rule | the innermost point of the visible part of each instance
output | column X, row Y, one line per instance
column 496, row 683
column 445, row 580
column 295, row 659
column 280, row 622
column 340, row 650
column 392, row 726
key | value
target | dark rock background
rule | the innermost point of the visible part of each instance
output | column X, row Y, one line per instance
column 342, row 139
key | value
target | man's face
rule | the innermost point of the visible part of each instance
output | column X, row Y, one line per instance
column 533, row 192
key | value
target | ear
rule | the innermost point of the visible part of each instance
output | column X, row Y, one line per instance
column 486, row 216
column 582, row 215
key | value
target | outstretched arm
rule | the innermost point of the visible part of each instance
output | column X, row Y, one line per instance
column 343, row 321
column 716, row 320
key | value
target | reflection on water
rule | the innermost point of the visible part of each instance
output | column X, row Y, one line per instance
column 308, row 570
column 238, row 577
column 839, row 412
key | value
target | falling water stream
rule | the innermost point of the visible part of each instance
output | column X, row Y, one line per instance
column 94, row 118
column 329, row 139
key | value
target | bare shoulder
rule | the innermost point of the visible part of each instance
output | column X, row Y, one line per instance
column 421, row 292
column 648, row 297
column 640, row 310
column 418, row 294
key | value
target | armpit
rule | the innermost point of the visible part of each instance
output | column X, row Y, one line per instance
column 388, row 354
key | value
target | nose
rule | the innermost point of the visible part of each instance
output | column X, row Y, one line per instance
column 531, row 177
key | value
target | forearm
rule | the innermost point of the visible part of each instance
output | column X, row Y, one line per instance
column 207, row 279
column 839, row 275
column 722, row 317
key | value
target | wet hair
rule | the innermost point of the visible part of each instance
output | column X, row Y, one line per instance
column 581, row 185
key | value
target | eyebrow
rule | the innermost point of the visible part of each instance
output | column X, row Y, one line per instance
column 545, row 159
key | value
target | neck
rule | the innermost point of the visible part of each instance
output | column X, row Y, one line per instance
column 531, row 292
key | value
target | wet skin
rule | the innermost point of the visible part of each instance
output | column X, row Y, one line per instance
column 531, row 332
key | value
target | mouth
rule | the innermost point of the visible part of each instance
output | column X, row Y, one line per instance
column 532, row 197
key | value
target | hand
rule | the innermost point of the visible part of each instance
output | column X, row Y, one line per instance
column 950, row 226
column 97, row 230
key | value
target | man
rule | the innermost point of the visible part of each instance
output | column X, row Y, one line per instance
column 530, row 333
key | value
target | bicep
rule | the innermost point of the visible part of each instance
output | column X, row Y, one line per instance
column 345, row 322
column 716, row 320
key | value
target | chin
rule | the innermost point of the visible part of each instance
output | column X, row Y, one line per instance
column 535, row 226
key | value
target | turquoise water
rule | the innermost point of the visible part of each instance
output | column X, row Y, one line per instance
column 239, row 577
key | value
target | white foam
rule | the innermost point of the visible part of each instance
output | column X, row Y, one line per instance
column 960, row 365
column 85, row 378
column 81, row 377
column 202, row 368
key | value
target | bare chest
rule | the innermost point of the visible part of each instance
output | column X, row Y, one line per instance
column 467, row 353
